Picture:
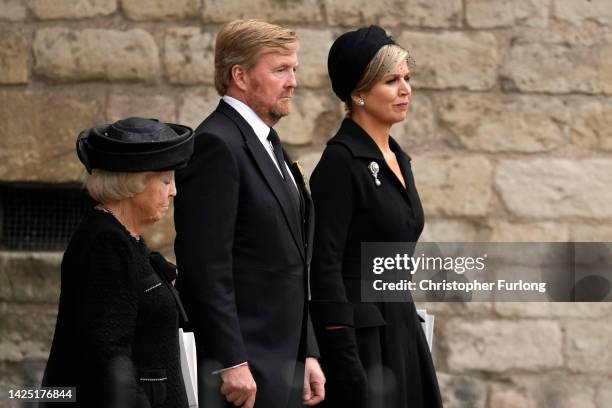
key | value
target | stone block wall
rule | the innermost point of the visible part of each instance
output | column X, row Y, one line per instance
column 509, row 130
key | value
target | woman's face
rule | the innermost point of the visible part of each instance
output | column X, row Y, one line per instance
column 387, row 102
column 152, row 203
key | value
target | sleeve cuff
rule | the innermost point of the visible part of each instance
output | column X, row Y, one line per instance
column 331, row 313
column 228, row 368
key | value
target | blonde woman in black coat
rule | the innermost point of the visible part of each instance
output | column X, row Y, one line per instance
column 116, row 337
column 373, row 354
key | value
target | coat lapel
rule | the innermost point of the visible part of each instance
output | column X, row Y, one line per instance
column 361, row 145
column 269, row 172
column 404, row 163
column 410, row 193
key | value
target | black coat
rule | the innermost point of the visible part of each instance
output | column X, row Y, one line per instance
column 116, row 336
column 242, row 258
column 352, row 209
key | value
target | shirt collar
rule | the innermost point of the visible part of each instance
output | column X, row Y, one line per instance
column 259, row 126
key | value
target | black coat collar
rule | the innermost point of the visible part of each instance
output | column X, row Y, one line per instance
column 360, row 144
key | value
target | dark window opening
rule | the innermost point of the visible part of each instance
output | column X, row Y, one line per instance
column 40, row 217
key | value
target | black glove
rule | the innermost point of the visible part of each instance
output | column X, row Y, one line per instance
column 347, row 383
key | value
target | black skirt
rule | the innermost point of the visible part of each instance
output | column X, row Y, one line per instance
column 397, row 361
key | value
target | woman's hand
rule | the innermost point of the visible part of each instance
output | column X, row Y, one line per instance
column 347, row 380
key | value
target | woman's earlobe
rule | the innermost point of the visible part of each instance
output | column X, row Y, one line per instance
column 357, row 100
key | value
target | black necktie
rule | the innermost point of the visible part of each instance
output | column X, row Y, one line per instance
column 278, row 153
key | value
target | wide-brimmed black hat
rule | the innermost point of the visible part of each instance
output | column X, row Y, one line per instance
column 135, row 145
column 350, row 55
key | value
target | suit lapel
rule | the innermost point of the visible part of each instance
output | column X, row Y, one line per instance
column 269, row 172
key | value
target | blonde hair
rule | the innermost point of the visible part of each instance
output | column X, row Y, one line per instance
column 383, row 62
column 106, row 186
column 242, row 42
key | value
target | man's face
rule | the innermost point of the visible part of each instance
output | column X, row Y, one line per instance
column 270, row 84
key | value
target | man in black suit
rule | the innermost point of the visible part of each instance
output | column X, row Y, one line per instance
column 244, row 227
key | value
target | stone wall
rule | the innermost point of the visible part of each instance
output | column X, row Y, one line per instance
column 509, row 131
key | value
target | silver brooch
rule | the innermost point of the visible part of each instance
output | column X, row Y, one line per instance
column 374, row 169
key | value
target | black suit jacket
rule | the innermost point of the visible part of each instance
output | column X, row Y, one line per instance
column 243, row 251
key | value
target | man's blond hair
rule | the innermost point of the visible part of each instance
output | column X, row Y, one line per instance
column 242, row 42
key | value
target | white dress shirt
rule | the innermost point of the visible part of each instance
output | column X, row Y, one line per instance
column 260, row 128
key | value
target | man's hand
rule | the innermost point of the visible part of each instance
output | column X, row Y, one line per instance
column 314, row 382
column 238, row 386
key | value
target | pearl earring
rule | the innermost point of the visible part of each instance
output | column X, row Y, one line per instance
column 361, row 102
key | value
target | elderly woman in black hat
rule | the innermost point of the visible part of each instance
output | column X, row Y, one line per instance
column 116, row 337
column 374, row 354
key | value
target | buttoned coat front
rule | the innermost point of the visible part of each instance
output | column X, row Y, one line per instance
column 355, row 204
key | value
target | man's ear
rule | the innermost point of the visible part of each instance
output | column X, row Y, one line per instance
column 239, row 77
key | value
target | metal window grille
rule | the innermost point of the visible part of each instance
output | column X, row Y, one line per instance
column 40, row 218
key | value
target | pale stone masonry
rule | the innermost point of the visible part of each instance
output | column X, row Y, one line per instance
column 535, row 346
column 296, row 12
column 560, row 65
column 12, row 10
column 190, row 57
column 574, row 12
column 506, row 13
column 454, row 185
column 140, row 10
column 528, row 124
column 509, row 131
column 14, row 54
column 556, row 188
column 63, row 54
column 33, row 147
column 449, row 60
column 591, row 128
column 53, row 9
column 417, row 13
column 144, row 104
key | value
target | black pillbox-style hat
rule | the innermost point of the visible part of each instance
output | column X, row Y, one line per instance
column 135, row 145
column 350, row 55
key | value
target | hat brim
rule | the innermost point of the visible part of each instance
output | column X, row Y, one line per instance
column 97, row 151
